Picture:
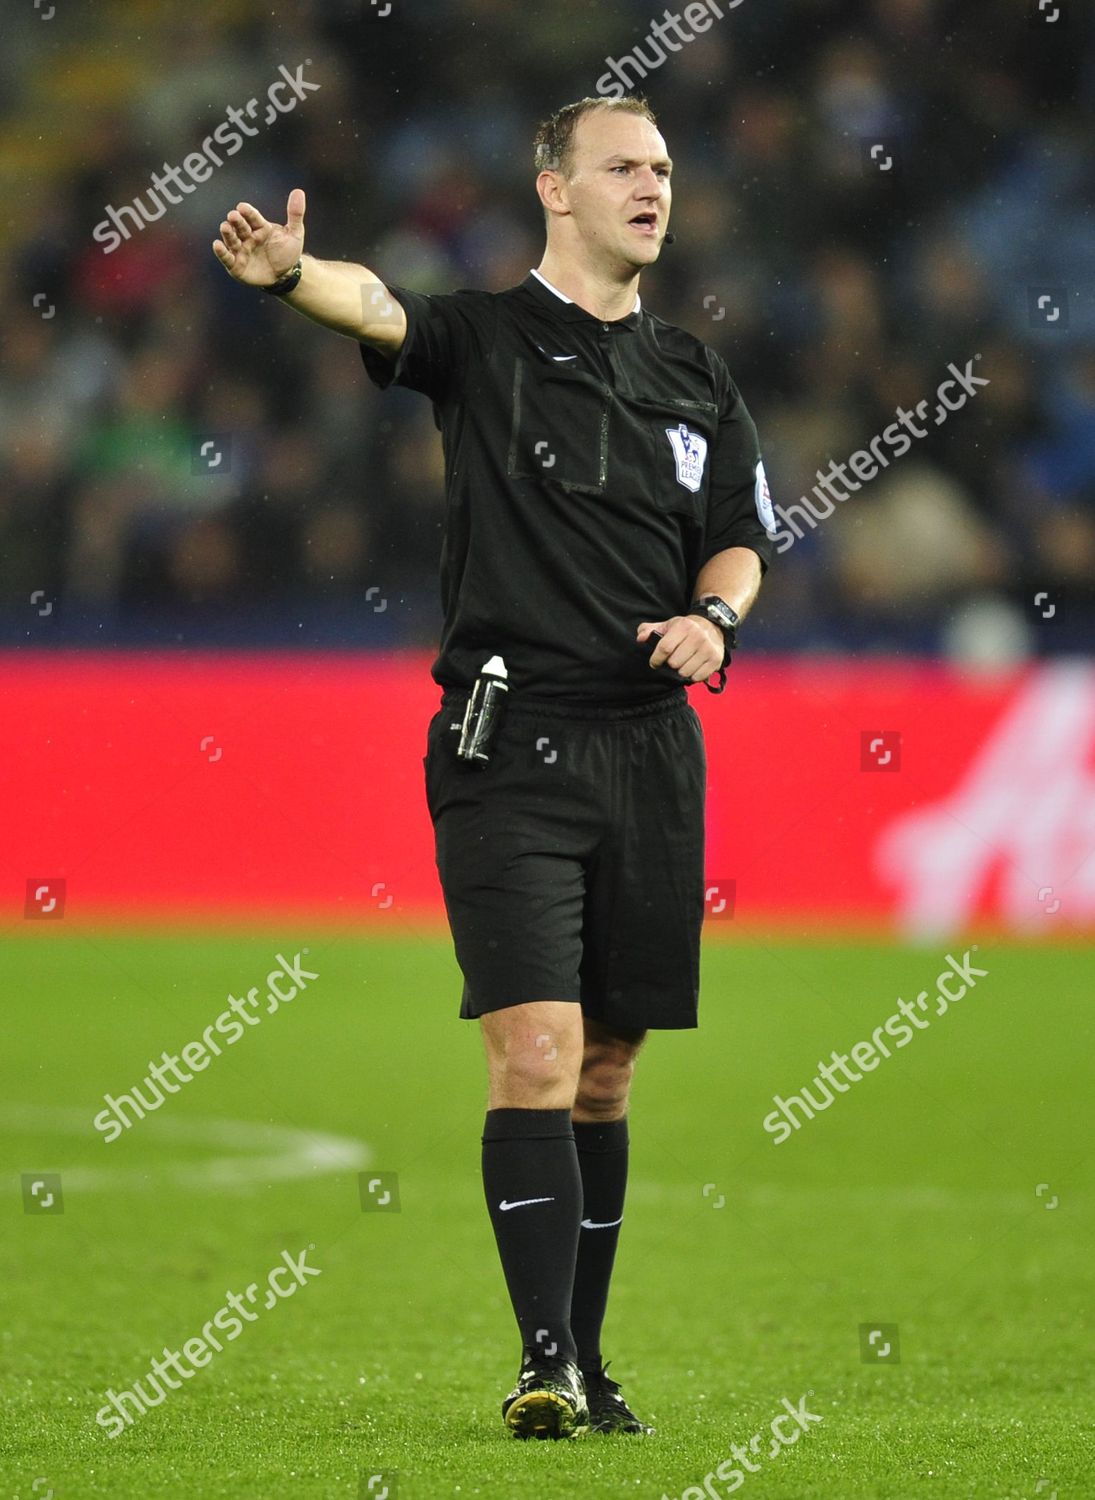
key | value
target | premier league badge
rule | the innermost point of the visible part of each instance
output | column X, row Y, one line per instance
column 763, row 496
column 690, row 452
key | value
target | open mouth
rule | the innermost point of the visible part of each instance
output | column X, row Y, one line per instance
column 647, row 223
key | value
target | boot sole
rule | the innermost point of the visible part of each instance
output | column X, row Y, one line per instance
column 543, row 1414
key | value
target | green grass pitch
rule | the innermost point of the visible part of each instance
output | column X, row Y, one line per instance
column 745, row 1269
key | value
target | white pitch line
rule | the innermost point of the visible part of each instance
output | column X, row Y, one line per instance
column 287, row 1153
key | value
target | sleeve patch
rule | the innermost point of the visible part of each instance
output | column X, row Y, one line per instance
column 764, row 500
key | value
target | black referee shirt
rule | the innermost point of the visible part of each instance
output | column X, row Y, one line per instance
column 591, row 468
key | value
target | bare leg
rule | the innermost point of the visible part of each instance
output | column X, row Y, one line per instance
column 608, row 1065
column 530, row 1166
column 534, row 1054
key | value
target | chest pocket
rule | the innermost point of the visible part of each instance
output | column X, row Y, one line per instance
column 559, row 429
column 684, row 436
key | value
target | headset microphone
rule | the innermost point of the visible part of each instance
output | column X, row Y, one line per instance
column 670, row 239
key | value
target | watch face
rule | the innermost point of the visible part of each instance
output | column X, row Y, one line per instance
column 722, row 614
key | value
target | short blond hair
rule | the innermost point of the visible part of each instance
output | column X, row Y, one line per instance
column 553, row 147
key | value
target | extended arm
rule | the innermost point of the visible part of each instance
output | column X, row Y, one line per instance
column 348, row 298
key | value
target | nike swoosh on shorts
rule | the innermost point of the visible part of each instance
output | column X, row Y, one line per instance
column 522, row 1203
column 589, row 1224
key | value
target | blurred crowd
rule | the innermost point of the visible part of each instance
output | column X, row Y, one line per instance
column 182, row 457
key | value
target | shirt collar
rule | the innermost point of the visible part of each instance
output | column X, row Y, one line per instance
column 566, row 308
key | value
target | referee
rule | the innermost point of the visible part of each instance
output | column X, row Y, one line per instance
column 606, row 530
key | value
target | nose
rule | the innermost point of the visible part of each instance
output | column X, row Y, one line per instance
column 650, row 185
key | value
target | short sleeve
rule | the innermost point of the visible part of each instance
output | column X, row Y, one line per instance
column 445, row 332
column 739, row 508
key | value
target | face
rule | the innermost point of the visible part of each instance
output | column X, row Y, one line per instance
column 618, row 193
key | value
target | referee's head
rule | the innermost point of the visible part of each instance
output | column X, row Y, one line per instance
column 603, row 179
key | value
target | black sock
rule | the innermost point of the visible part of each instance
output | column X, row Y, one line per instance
column 602, row 1158
column 529, row 1154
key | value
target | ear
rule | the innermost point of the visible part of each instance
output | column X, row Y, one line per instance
column 552, row 190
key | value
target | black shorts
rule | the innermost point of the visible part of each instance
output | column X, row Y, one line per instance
column 572, row 865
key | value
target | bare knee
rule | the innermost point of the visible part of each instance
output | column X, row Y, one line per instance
column 534, row 1054
column 604, row 1084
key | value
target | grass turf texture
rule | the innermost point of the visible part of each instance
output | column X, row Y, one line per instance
column 912, row 1200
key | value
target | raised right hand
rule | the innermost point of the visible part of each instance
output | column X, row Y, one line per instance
column 257, row 252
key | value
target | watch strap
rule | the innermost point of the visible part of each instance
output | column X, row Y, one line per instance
column 286, row 283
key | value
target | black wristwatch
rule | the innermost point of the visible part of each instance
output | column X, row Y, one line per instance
column 719, row 613
column 712, row 608
column 286, row 283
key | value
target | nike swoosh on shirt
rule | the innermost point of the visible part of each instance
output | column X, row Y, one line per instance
column 522, row 1202
column 589, row 1224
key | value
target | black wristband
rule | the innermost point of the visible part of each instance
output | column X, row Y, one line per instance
column 287, row 282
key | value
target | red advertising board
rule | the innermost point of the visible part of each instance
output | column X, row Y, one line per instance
column 247, row 787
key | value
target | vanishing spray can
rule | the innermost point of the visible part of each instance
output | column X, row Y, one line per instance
column 483, row 713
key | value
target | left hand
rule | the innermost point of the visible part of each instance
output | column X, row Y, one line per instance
column 692, row 646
